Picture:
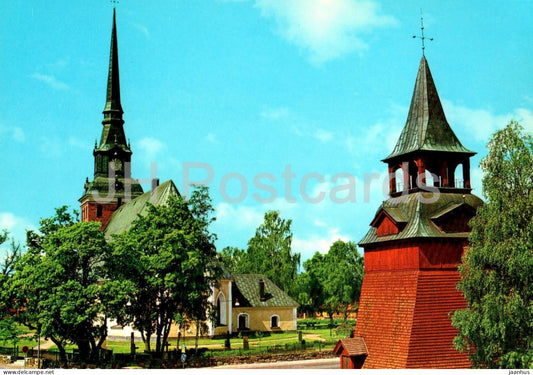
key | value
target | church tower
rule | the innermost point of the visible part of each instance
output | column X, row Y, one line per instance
column 112, row 184
column 416, row 241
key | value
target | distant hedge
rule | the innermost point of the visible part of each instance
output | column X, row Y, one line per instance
column 316, row 323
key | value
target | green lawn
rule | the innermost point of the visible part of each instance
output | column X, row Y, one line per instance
column 257, row 343
column 274, row 340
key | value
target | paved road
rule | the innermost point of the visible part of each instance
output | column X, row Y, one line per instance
column 329, row 363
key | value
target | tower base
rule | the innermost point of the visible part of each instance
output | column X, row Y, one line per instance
column 404, row 318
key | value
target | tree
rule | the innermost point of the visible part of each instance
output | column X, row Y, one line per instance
column 334, row 279
column 496, row 328
column 168, row 256
column 269, row 252
column 61, row 287
column 8, row 329
column 343, row 276
column 232, row 258
column 308, row 286
column 11, row 256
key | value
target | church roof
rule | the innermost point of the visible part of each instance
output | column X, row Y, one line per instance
column 426, row 128
column 122, row 218
column 246, row 290
column 420, row 215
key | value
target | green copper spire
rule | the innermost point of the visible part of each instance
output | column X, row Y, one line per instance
column 113, row 131
column 426, row 128
column 113, row 145
column 112, row 105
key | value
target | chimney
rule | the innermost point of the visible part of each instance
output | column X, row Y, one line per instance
column 155, row 183
column 261, row 290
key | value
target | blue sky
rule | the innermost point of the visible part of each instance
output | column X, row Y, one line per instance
column 251, row 88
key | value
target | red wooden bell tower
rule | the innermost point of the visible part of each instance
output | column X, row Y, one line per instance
column 415, row 243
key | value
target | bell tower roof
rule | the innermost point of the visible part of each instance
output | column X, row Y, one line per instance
column 426, row 128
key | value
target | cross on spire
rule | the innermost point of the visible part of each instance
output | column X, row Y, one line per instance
column 423, row 38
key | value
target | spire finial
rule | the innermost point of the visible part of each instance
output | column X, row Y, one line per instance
column 422, row 37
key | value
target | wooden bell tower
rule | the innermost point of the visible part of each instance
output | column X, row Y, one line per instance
column 416, row 241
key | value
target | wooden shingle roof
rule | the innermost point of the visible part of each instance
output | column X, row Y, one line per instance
column 420, row 215
column 426, row 128
column 354, row 347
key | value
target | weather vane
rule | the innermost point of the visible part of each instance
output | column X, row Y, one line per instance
column 113, row 1
column 423, row 38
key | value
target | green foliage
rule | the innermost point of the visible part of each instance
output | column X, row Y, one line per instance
column 232, row 258
column 269, row 253
column 345, row 329
column 60, row 286
column 9, row 330
column 332, row 282
column 497, row 279
column 167, row 256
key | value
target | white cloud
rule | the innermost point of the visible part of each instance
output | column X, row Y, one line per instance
column 313, row 243
column 51, row 146
column 14, row 132
column 15, row 225
column 319, row 223
column 78, row 143
column 51, row 81
column 239, row 216
column 276, row 113
column 323, row 135
column 327, row 29
column 378, row 139
column 151, row 147
column 143, row 29
column 18, row 134
column 210, row 137
column 480, row 124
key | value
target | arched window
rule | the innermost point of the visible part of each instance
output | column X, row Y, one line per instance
column 432, row 179
column 458, row 175
column 274, row 321
column 243, row 321
column 399, row 179
column 221, row 309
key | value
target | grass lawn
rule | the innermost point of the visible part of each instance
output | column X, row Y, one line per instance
column 268, row 341
column 26, row 338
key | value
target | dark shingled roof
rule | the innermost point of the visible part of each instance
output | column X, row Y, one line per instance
column 122, row 218
column 420, row 215
column 247, row 286
column 426, row 128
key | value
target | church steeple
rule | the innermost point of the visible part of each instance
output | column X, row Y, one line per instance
column 113, row 137
column 113, row 105
column 112, row 184
column 427, row 145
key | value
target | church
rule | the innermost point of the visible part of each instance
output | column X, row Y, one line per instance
column 246, row 302
column 415, row 244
